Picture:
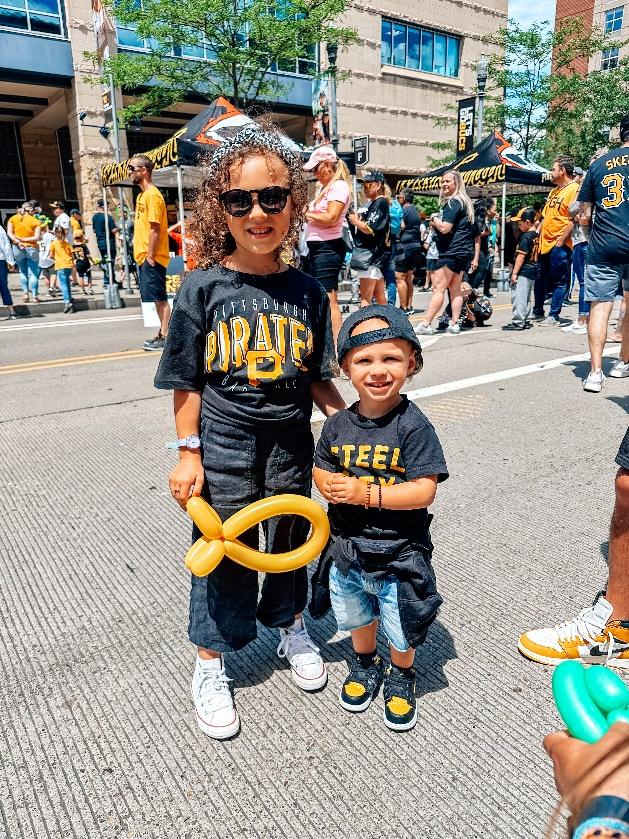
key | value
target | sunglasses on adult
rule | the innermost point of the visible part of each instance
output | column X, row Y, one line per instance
column 238, row 202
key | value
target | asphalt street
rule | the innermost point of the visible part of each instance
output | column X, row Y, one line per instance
column 98, row 734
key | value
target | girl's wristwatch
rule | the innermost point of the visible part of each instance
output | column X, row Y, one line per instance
column 189, row 442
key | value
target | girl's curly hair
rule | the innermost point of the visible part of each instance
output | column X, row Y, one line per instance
column 213, row 241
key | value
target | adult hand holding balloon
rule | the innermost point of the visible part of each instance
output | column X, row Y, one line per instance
column 220, row 539
column 589, row 700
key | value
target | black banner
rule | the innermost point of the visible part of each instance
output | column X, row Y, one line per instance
column 465, row 126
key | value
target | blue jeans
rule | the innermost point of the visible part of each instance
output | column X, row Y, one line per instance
column 389, row 275
column 554, row 276
column 27, row 261
column 578, row 266
column 5, row 294
column 359, row 599
column 64, row 275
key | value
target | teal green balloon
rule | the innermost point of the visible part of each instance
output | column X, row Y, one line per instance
column 619, row 715
column 606, row 688
column 581, row 716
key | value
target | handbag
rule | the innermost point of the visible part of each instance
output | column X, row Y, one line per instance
column 362, row 258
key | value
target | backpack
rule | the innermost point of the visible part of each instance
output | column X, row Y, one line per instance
column 395, row 217
column 481, row 309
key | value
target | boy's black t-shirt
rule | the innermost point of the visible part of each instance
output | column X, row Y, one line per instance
column 606, row 187
column 398, row 447
column 459, row 242
column 251, row 344
column 529, row 246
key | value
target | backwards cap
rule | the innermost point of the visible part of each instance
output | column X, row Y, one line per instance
column 399, row 327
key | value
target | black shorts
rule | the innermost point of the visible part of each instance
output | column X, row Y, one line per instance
column 456, row 264
column 152, row 282
column 325, row 262
column 407, row 256
column 622, row 458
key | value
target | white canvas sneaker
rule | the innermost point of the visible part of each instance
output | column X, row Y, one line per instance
column 420, row 329
column 216, row 713
column 298, row 648
column 576, row 328
column 620, row 370
column 594, row 382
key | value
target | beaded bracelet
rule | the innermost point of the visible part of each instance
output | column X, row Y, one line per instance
column 368, row 497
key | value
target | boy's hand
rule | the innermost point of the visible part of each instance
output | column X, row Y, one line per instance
column 186, row 479
column 347, row 490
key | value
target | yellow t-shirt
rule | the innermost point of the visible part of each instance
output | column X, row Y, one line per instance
column 76, row 225
column 556, row 215
column 61, row 252
column 150, row 207
column 24, row 226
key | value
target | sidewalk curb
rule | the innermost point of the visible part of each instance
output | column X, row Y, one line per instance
column 81, row 304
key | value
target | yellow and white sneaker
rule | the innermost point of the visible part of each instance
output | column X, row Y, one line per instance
column 588, row 637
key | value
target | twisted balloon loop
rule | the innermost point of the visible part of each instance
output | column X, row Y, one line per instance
column 220, row 539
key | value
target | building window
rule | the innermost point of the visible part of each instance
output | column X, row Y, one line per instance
column 43, row 16
column 610, row 59
column 66, row 162
column 613, row 19
column 420, row 49
column 12, row 181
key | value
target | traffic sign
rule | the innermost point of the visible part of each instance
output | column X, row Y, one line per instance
column 361, row 150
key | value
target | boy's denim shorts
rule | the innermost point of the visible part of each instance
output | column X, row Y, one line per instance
column 359, row 599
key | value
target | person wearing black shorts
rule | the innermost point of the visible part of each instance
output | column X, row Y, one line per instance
column 409, row 250
column 454, row 233
column 150, row 245
column 325, row 217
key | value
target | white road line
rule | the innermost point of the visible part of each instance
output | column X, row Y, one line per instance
column 54, row 323
column 488, row 378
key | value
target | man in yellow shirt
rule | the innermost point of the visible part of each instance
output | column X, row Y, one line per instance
column 150, row 245
column 555, row 244
column 24, row 231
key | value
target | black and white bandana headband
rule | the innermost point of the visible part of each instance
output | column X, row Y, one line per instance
column 252, row 135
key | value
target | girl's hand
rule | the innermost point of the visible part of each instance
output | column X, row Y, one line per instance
column 347, row 490
column 353, row 219
column 186, row 479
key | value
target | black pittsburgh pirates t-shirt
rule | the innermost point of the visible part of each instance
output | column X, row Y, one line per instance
column 251, row 344
column 398, row 447
column 529, row 246
column 606, row 187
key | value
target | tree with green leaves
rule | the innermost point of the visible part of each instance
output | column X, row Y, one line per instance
column 219, row 47
column 538, row 97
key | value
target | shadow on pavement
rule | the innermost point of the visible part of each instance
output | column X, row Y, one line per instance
column 621, row 401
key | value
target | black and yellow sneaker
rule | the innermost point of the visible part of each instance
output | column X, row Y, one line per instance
column 400, row 698
column 362, row 683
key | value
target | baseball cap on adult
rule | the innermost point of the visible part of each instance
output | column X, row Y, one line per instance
column 100, row 203
column 324, row 154
column 624, row 128
column 399, row 327
column 578, row 171
column 373, row 177
column 525, row 214
column 57, row 205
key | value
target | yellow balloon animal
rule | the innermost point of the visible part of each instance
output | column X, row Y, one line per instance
column 220, row 539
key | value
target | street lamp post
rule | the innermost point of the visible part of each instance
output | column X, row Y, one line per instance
column 482, row 67
column 332, row 51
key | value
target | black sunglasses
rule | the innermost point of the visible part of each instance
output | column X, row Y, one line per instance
column 238, row 202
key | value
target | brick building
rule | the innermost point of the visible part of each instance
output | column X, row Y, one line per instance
column 608, row 15
column 412, row 60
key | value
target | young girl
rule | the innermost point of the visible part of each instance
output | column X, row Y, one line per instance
column 249, row 347
column 46, row 262
column 61, row 251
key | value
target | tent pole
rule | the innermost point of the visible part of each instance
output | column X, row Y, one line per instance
column 110, row 271
column 182, row 222
column 504, row 225
column 125, row 253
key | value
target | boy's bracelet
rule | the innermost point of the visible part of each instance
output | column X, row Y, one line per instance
column 368, row 497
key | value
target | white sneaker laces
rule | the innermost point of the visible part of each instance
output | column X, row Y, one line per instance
column 577, row 628
column 295, row 643
column 213, row 690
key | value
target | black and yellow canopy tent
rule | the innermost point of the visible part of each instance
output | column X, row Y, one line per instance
column 494, row 167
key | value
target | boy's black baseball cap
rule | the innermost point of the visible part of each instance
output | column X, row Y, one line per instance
column 525, row 214
column 399, row 327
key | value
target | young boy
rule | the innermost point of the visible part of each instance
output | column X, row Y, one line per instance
column 378, row 464
column 46, row 262
column 82, row 262
column 524, row 270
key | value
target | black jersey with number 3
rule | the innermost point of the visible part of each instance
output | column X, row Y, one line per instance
column 606, row 187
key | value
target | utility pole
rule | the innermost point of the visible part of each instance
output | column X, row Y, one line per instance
column 482, row 68
column 332, row 51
